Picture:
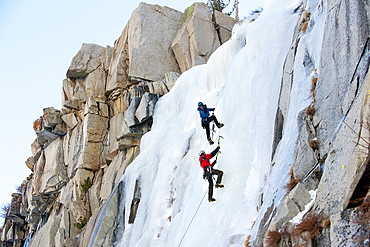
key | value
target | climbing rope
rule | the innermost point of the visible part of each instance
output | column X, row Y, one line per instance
column 192, row 218
column 187, row 198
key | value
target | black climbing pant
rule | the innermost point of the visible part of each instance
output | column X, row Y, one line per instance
column 205, row 124
column 210, row 181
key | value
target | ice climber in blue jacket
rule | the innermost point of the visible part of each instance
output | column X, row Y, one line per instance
column 207, row 119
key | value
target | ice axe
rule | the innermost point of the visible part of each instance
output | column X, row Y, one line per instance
column 218, row 144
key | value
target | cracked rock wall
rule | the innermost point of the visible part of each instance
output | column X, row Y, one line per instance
column 331, row 153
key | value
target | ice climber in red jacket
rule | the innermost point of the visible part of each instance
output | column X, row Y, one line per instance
column 204, row 160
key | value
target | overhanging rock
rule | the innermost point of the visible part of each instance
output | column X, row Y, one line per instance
column 88, row 59
column 128, row 140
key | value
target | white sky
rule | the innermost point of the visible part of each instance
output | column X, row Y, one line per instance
column 38, row 40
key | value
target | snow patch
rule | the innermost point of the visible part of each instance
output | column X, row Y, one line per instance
column 298, row 218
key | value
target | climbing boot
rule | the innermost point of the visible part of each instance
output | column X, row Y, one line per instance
column 211, row 199
column 210, row 142
column 220, row 125
column 219, row 185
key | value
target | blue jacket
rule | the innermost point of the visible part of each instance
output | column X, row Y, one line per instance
column 204, row 114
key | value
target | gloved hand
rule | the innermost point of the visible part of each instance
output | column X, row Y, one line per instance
column 212, row 109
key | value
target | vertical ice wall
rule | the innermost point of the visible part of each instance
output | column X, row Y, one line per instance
column 242, row 80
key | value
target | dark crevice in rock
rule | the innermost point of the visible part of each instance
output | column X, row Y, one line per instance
column 217, row 28
column 362, row 188
column 278, row 130
column 135, row 202
column 360, row 71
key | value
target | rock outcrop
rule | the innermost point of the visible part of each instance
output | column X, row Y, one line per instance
column 150, row 31
column 82, row 150
column 197, row 36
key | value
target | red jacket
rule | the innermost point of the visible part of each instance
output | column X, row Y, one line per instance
column 204, row 159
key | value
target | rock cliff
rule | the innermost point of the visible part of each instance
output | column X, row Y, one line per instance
column 108, row 99
column 75, row 195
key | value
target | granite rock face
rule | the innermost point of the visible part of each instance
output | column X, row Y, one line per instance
column 88, row 59
column 150, row 31
column 197, row 37
column 330, row 158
